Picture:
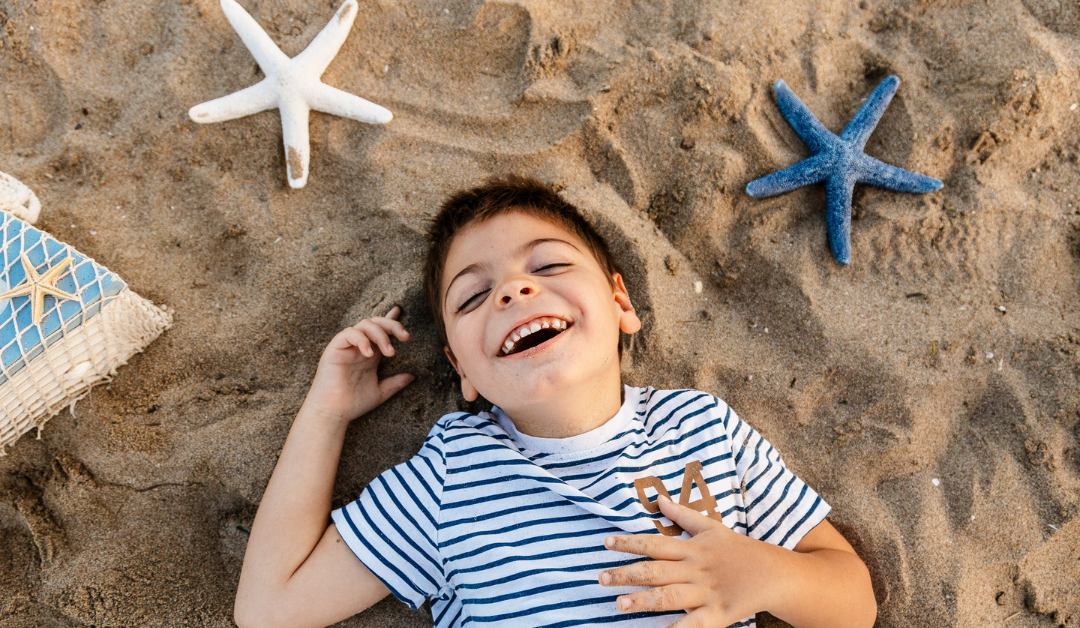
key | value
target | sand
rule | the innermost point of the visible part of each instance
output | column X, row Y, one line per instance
column 930, row 391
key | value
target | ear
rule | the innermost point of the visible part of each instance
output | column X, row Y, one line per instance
column 628, row 319
column 467, row 390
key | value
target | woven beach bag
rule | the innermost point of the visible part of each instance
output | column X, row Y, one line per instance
column 66, row 322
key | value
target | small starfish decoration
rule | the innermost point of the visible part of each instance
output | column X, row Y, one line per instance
column 839, row 161
column 37, row 286
column 293, row 86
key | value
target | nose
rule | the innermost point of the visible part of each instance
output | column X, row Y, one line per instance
column 515, row 289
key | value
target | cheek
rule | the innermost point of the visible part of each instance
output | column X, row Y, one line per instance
column 468, row 337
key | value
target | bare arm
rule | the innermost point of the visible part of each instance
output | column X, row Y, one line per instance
column 827, row 583
column 297, row 571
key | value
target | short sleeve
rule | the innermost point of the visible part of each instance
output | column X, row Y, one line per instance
column 780, row 507
column 392, row 527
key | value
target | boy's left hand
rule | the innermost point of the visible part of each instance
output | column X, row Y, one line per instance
column 716, row 576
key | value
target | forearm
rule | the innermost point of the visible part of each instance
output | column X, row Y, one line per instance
column 822, row 588
column 293, row 514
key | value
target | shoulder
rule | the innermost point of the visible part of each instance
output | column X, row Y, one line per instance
column 680, row 404
column 683, row 409
column 461, row 432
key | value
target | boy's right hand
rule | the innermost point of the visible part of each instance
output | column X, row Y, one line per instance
column 346, row 383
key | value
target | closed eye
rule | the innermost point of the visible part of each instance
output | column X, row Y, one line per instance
column 550, row 266
column 470, row 300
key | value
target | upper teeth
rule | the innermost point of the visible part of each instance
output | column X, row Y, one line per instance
column 546, row 322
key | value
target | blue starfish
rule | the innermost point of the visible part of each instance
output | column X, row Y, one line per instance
column 839, row 161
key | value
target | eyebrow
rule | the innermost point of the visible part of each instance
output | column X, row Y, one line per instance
column 524, row 248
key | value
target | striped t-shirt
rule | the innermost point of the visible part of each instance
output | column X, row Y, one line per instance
column 500, row 528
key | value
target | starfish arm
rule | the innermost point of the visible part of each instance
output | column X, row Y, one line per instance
column 294, row 130
column 838, row 191
column 321, row 51
column 37, row 302
column 266, row 53
column 813, row 133
column 18, row 291
column 806, row 172
column 28, row 268
column 880, row 174
column 259, row 97
column 334, row 101
column 56, row 292
column 53, row 273
column 864, row 122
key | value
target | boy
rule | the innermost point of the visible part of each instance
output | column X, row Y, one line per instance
column 556, row 507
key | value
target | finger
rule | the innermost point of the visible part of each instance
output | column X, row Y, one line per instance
column 651, row 573
column 647, row 544
column 672, row 597
column 391, row 326
column 377, row 336
column 352, row 337
column 689, row 519
column 391, row 385
column 698, row 618
column 394, row 312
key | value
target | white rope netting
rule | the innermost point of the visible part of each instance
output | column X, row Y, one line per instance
column 85, row 324
column 18, row 199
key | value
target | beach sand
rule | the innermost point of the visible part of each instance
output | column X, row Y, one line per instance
column 930, row 391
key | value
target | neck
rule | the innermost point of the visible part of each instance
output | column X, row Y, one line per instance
column 567, row 413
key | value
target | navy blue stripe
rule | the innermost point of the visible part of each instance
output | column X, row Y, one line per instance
column 380, row 563
column 532, row 572
column 446, row 609
column 607, row 619
column 798, row 525
column 672, row 395
column 397, row 549
column 607, row 599
column 532, row 591
column 792, row 507
column 765, row 493
column 474, row 433
column 758, row 519
column 491, row 463
column 745, row 440
column 515, row 526
column 453, row 622
column 421, row 479
column 426, row 553
column 536, row 539
column 475, row 450
column 415, row 500
column 497, row 480
column 527, row 559
column 658, row 424
column 764, row 472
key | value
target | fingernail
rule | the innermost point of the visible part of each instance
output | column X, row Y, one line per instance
column 605, row 578
column 609, row 542
column 664, row 498
column 624, row 603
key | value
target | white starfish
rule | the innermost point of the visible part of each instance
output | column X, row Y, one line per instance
column 292, row 86
column 37, row 286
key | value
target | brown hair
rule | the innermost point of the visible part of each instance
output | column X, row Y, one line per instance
column 500, row 195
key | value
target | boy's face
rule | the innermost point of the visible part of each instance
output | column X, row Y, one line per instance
column 517, row 271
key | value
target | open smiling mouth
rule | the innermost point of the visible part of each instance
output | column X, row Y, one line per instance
column 533, row 334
